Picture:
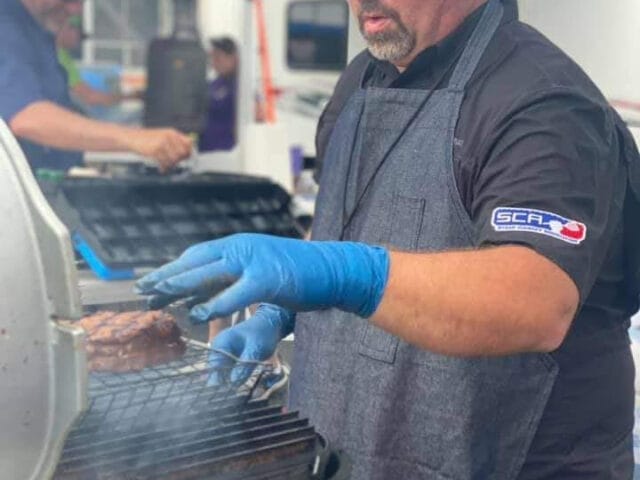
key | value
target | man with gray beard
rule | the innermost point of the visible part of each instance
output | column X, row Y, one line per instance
column 461, row 311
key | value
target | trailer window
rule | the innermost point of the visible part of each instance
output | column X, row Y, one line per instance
column 120, row 30
column 318, row 35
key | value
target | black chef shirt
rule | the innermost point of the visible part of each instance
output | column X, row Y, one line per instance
column 535, row 133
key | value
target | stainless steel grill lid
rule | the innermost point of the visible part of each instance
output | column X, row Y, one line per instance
column 42, row 374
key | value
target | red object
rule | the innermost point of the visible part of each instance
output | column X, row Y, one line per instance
column 575, row 231
column 628, row 104
column 269, row 92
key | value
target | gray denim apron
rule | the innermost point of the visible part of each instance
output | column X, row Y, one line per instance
column 401, row 412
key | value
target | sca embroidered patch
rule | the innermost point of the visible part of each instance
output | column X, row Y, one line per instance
column 506, row 219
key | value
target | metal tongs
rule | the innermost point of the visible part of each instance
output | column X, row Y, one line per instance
column 221, row 375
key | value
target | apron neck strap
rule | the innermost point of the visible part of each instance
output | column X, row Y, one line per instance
column 366, row 73
column 477, row 44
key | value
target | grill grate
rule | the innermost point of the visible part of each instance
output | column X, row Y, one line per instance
column 166, row 422
column 127, row 402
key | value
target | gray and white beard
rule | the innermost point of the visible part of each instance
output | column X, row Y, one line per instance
column 392, row 45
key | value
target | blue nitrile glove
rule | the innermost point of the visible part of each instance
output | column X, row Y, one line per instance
column 241, row 347
column 296, row 274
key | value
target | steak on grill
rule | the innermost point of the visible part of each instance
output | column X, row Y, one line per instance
column 131, row 341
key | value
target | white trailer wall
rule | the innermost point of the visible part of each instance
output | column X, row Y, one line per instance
column 219, row 17
column 603, row 36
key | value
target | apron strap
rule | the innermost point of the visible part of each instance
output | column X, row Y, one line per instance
column 477, row 44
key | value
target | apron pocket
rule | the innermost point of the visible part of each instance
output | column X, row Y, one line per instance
column 406, row 222
column 378, row 344
column 405, row 226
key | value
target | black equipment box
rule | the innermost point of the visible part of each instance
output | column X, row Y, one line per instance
column 176, row 94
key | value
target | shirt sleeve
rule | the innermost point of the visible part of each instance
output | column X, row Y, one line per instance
column 20, row 84
column 553, row 178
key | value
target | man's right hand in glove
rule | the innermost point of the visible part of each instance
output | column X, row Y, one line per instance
column 241, row 270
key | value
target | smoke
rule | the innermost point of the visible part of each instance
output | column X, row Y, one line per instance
column 130, row 430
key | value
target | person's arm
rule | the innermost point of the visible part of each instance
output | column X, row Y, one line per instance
column 48, row 124
column 91, row 96
column 493, row 301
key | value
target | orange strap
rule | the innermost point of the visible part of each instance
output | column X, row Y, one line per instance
column 265, row 61
column 627, row 104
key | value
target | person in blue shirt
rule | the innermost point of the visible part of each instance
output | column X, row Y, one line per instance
column 220, row 131
column 35, row 103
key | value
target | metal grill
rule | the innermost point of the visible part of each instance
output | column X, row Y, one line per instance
column 166, row 422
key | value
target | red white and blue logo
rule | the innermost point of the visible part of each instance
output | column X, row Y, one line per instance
column 538, row 221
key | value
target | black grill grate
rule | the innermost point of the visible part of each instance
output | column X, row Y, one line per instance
column 166, row 422
column 147, row 222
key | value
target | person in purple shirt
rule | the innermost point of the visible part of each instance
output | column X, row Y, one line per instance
column 220, row 131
